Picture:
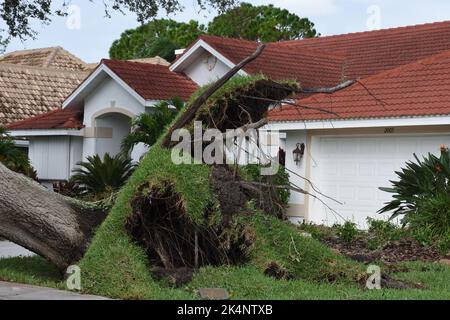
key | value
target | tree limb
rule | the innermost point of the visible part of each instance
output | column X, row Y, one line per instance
column 192, row 110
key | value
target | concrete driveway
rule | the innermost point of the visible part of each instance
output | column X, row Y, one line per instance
column 9, row 249
column 15, row 291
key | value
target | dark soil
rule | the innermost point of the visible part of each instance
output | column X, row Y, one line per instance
column 175, row 245
column 228, row 190
column 394, row 251
column 175, row 277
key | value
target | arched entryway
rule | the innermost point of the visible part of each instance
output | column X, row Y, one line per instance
column 111, row 128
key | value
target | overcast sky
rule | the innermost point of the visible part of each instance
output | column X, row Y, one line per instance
column 91, row 36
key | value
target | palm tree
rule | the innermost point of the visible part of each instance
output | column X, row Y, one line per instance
column 147, row 127
column 99, row 177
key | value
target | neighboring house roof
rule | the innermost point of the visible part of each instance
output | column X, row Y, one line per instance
column 68, row 118
column 309, row 67
column 49, row 58
column 153, row 60
column 149, row 81
column 326, row 61
column 372, row 52
column 152, row 81
column 28, row 91
column 417, row 89
column 37, row 81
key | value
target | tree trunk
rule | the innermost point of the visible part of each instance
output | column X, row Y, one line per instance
column 44, row 222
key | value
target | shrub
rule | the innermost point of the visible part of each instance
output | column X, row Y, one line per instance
column 419, row 181
column 12, row 157
column 422, row 196
column 430, row 224
column 381, row 232
column 99, row 178
column 347, row 232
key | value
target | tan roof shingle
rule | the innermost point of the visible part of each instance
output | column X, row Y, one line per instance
column 51, row 58
column 29, row 91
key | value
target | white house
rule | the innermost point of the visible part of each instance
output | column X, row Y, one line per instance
column 398, row 105
column 96, row 116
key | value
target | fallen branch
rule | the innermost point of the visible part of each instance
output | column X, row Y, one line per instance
column 190, row 113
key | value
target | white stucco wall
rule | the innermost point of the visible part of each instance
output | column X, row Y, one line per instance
column 297, row 201
column 120, row 125
column 206, row 69
column 108, row 96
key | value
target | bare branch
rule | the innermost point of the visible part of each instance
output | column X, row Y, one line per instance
column 190, row 113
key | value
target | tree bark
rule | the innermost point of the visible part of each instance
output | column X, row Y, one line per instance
column 44, row 222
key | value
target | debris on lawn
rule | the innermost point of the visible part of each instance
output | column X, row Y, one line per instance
column 394, row 251
column 274, row 270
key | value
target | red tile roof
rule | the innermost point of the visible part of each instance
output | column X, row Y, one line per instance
column 417, row 89
column 68, row 118
column 152, row 81
column 309, row 67
column 325, row 61
column 369, row 53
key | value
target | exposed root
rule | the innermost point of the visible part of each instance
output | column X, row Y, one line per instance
column 173, row 242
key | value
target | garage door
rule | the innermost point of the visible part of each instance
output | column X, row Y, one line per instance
column 351, row 169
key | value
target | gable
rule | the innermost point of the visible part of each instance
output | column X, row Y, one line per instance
column 206, row 68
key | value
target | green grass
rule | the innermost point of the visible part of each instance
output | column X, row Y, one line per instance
column 31, row 270
column 116, row 267
column 247, row 282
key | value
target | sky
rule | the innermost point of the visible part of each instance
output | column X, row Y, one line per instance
column 88, row 34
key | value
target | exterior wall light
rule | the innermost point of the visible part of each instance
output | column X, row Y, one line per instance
column 298, row 153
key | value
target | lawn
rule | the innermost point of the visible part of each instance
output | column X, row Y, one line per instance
column 249, row 283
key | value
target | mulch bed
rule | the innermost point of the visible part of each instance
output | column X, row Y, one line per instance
column 392, row 252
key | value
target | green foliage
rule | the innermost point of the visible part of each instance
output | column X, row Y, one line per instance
column 263, row 23
column 430, row 224
column 160, row 37
column 381, row 232
column 12, row 157
column 148, row 127
column 99, row 177
column 19, row 16
column 252, row 172
column 422, row 196
column 418, row 181
column 347, row 231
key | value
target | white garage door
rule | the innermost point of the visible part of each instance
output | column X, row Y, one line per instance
column 351, row 169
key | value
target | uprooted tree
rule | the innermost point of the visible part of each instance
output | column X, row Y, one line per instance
column 60, row 229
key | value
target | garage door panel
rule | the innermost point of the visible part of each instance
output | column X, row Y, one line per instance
column 352, row 169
